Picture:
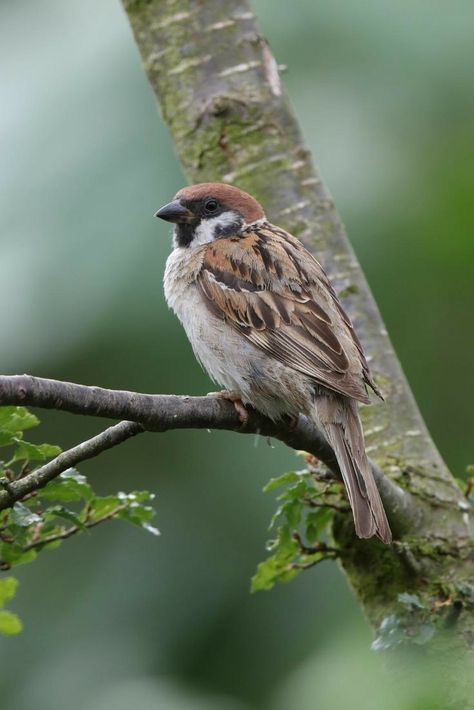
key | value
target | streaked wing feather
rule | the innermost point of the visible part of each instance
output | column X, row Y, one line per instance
column 293, row 316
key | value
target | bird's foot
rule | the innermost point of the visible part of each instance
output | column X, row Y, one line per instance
column 236, row 400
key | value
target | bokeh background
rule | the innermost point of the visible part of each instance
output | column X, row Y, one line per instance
column 118, row 618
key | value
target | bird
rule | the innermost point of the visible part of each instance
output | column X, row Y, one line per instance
column 266, row 324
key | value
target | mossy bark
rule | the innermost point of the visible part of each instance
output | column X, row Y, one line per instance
column 219, row 91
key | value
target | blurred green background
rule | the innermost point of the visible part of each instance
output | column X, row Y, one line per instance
column 119, row 618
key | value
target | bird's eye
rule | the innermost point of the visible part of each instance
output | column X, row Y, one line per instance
column 211, row 206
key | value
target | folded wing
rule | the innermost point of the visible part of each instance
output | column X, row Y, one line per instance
column 268, row 287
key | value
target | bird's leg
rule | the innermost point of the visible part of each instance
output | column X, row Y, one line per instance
column 236, row 400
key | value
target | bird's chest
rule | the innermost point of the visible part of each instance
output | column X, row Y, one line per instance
column 181, row 292
column 212, row 340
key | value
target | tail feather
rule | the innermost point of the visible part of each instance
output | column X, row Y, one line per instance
column 340, row 422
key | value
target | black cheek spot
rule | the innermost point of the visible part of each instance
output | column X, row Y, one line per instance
column 228, row 230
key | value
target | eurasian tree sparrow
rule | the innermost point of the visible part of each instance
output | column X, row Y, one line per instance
column 265, row 322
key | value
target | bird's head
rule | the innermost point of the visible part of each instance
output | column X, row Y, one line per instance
column 208, row 211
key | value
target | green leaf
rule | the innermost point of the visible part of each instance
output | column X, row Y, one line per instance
column 10, row 624
column 316, row 523
column 134, row 512
column 279, row 481
column 277, row 568
column 268, row 573
column 290, row 511
column 58, row 511
column 13, row 421
column 139, row 515
column 295, row 492
column 22, row 516
column 8, row 587
column 6, row 438
column 102, row 506
column 35, row 452
column 136, row 496
column 13, row 554
column 69, row 486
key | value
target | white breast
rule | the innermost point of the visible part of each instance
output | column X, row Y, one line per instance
column 229, row 358
column 216, row 345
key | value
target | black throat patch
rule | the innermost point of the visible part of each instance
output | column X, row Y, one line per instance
column 184, row 234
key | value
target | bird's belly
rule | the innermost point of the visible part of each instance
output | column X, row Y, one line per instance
column 216, row 345
column 235, row 363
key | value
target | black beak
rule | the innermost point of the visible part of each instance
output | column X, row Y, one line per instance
column 175, row 212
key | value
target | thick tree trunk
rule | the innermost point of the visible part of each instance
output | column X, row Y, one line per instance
column 220, row 94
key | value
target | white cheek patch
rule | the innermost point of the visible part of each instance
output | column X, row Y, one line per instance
column 208, row 229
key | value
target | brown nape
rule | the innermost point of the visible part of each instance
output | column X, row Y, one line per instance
column 228, row 195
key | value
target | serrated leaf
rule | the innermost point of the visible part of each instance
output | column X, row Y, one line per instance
column 69, row 486
column 58, row 511
column 282, row 480
column 136, row 496
column 139, row 515
column 13, row 554
column 8, row 587
column 13, row 421
column 268, row 573
column 73, row 473
column 316, row 523
column 295, row 492
column 35, row 452
column 6, row 438
column 293, row 512
column 275, row 517
column 277, row 567
column 22, row 516
column 101, row 506
column 290, row 512
column 286, row 546
column 10, row 624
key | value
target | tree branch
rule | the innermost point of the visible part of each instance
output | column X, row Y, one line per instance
column 161, row 413
column 114, row 435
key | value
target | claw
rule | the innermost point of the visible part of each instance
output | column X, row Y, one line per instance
column 236, row 400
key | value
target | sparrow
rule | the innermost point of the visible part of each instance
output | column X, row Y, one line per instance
column 265, row 322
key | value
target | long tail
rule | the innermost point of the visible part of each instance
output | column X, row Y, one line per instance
column 339, row 419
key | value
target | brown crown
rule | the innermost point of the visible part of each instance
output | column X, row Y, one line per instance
column 228, row 195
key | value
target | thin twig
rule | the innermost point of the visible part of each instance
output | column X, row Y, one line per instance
column 69, row 532
column 116, row 434
column 318, row 548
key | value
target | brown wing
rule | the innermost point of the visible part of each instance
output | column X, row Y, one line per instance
column 266, row 285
